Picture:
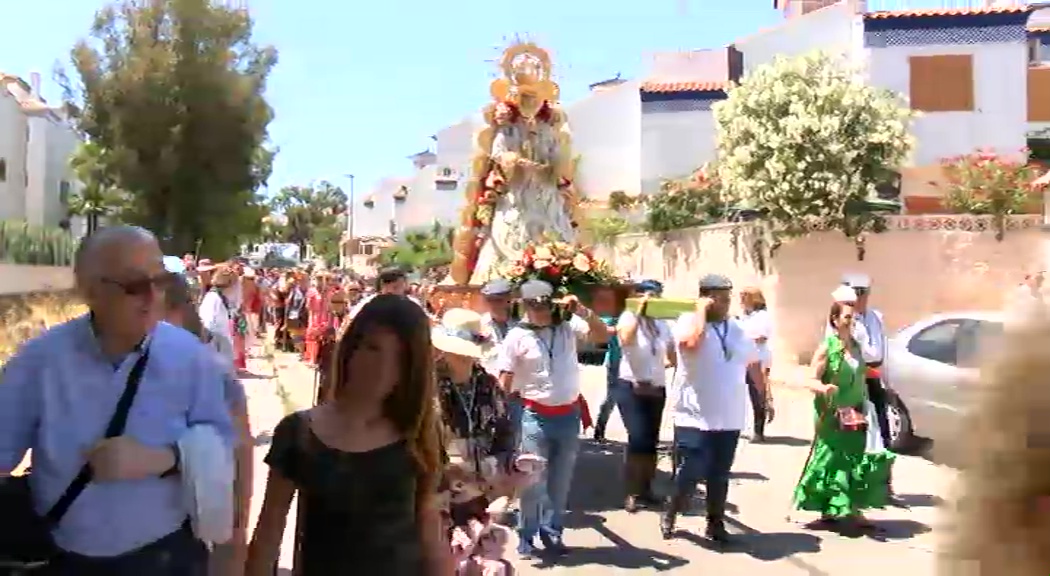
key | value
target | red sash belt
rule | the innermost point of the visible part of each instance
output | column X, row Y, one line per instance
column 561, row 409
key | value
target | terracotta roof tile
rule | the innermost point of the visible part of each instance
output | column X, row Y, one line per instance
column 1040, row 29
column 683, row 86
column 928, row 12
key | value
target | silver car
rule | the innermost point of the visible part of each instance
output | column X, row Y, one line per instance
column 931, row 375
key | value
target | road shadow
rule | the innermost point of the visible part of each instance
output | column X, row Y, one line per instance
column 882, row 531
column 785, row 441
column 889, row 530
column 597, row 484
column 919, row 500
column 622, row 554
column 763, row 546
column 746, row 475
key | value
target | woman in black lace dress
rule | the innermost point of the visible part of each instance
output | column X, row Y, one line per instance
column 366, row 462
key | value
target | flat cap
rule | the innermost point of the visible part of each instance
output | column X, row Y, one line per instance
column 715, row 282
column 536, row 290
column 649, row 286
column 497, row 287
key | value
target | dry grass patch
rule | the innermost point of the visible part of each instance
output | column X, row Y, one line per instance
column 26, row 315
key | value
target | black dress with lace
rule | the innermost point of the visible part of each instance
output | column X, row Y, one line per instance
column 357, row 511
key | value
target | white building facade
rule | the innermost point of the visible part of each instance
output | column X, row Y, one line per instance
column 968, row 71
column 36, row 143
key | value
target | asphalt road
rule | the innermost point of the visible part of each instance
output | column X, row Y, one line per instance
column 772, row 539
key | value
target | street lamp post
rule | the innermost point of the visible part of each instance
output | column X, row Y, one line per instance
column 350, row 210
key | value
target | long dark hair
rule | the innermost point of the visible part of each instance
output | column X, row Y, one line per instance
column 411, row 406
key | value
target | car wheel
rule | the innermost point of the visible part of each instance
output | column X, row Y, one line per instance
column 901, row 432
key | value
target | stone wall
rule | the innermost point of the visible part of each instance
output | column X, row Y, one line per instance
column 21, row 279
column 920, row 266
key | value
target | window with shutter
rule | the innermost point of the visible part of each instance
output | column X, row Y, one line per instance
column 942, row 83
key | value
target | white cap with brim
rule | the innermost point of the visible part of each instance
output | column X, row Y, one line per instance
column 460, row 333
column 857, row 281
column 844, row 294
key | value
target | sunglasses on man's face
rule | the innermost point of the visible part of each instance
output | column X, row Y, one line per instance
column 860, row 291
column 141, row 286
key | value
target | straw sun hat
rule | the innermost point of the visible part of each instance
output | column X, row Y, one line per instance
column 460, row 332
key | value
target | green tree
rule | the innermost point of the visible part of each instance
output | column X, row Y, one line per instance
column 805, row 141
column 99, row 196
column 422, row 250
column 310, row 215
column 172, row 91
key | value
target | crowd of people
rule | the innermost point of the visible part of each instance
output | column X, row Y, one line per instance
column 437, row 433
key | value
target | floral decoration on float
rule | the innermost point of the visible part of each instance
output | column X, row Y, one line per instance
column 568, row 268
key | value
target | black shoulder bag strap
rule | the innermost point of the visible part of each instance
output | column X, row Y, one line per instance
column 114, row 429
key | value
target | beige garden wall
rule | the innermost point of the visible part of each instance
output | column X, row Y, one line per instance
column 21, row 279
column 922, row 265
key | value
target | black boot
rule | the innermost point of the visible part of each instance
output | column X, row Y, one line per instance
column 717, row 492
column 633, row 471
column 647, row 496
column 675, row 505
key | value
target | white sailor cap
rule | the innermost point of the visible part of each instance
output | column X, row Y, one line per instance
column 857, row 280
column 844, row 294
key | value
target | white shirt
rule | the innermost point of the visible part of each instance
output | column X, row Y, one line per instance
column 644, row 360
column 236, row 295
column 215, row 318
column 710, row 390
column 543, row 361
column 491, row 361
column 759, row 324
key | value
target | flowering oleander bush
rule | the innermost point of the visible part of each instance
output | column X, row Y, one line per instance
column 805, row 140
column 570, row 269
column 984, row 182
column 686, row 202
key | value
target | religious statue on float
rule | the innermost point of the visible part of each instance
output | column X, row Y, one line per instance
column 521, row 189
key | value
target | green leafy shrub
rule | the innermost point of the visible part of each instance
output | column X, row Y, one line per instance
column 23, row 243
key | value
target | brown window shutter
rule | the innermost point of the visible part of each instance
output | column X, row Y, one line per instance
column 942, row 83
column 1039, row 94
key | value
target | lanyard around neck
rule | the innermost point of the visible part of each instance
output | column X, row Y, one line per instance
column 723, row 336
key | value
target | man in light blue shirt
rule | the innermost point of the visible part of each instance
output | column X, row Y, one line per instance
column 58, row 393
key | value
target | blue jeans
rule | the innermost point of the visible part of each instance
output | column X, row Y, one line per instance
column 612, row 379
column 514, row 412
column 556, row 438
column 641, row 416
column 705, row 455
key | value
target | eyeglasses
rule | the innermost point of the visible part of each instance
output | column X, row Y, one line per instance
column 860, row 291
column 141, row 286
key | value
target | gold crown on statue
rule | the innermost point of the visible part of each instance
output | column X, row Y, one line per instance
column 526, row 72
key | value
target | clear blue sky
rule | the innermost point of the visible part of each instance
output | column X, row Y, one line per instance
column 363, row 84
